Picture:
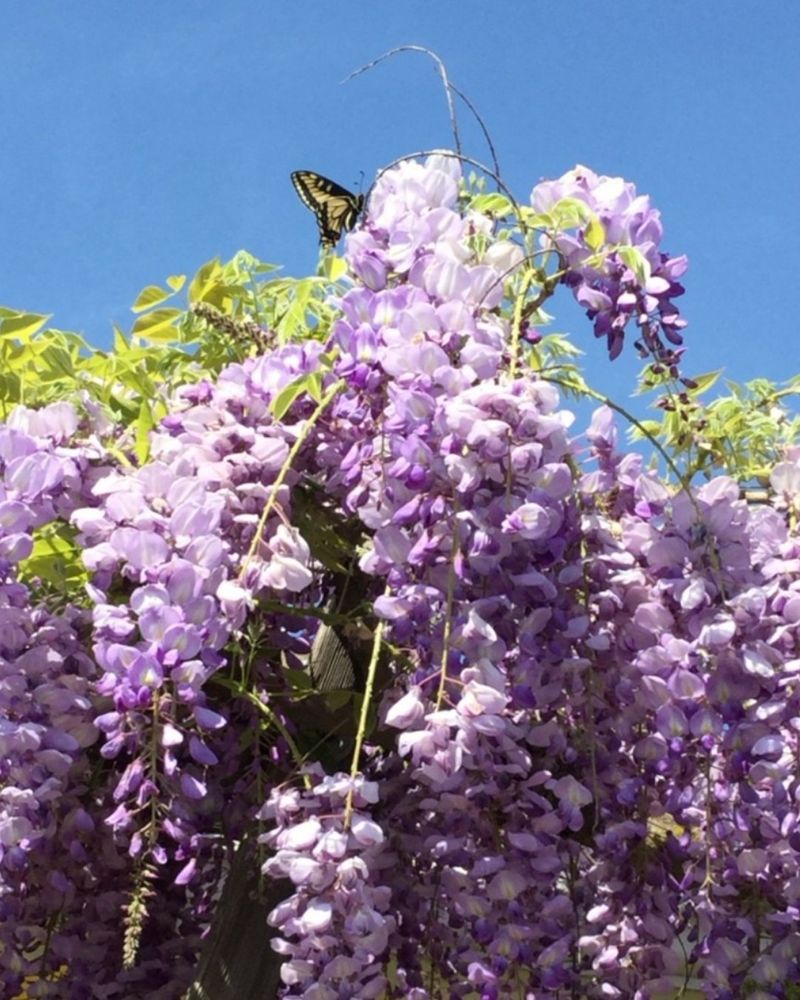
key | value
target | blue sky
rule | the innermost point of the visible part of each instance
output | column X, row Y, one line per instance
column 141, row 139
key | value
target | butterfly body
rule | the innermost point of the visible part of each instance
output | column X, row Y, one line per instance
column 336, row 209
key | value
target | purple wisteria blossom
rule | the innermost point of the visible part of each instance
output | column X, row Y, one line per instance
column 336, row 926
column 612, row 284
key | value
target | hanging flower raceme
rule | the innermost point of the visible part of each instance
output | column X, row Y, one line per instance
column 178, row 531
column 47, row 709
column 337, row 924
column 613, row 263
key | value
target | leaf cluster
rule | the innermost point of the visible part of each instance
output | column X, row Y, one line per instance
column 170, row 342
column 742, row 434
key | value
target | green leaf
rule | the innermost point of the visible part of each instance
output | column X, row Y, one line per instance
column 262, row 267
column 492, row 204
column 295, row 317
column 298, row 680
column 149, row 297
column 704, row 382
column 336, row 700
column 144, row 424
column 246, row 263
column 58, row 363
column 314, row 386
column 649, row 426
column 205, row 282
column 176, row 281
column 334, row 267
column 55, row 559
column 288, row 395
column 10, row 388
column 120, row 343
column 636, row 262
column 158, row 325
column 554, row 346
column 22, row 326
column 594, row 234
column 535, row 219
column 570, row 212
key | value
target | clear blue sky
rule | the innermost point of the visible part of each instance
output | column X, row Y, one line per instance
column 140, row 139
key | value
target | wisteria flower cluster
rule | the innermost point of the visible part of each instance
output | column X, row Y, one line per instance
column 330, row 848
column 581, row 781
column 613, row 286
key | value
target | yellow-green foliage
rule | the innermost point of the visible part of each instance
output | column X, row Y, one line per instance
column 173, row 339
column 743, row 434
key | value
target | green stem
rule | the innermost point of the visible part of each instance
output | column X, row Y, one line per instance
column 366, row 702
column 516, row 324
column 324, row 403
column 448, row 621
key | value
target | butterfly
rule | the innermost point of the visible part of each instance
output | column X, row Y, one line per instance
column 336, row 208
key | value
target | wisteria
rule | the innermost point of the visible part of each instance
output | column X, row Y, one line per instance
column 581, row 778
column 341, row 907
column 614, row 263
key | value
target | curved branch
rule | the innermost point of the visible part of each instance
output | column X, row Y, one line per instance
column 481, row 125
column 448, row 88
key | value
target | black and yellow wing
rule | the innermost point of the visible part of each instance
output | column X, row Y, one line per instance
column 336, row 209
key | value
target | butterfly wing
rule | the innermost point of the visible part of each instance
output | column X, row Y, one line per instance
column 336, row 209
